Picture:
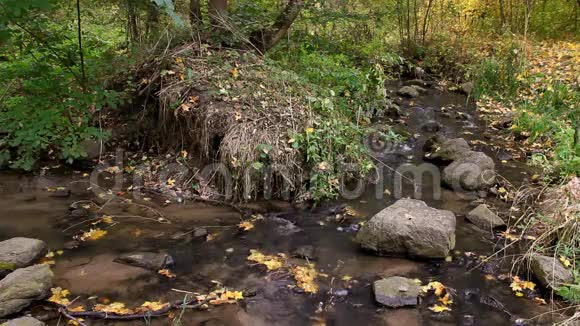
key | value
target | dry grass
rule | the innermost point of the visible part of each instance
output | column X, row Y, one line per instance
column 230, row 107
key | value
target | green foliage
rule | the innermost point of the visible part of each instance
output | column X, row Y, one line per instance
column 334, row 151
column 46, row 109
column 497, row 76
column 552, row 117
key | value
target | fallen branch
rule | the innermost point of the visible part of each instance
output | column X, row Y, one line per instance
column 181, row 304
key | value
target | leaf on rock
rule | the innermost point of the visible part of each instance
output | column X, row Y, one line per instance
column 439, row 308
column 167, row 273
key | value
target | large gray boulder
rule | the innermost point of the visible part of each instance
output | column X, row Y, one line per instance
column 396, row 292
column 409, row 227
column 23, row 321
column 23, row 286
column 21, row 252
column 484, row 218
column 549, row 271
column 470, row 171
column 408, row 91
column 149, row 260
column 440, row 148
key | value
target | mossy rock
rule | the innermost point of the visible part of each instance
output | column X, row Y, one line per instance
column 7, row 266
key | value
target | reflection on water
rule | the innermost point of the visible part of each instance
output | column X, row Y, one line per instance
column 26, row 209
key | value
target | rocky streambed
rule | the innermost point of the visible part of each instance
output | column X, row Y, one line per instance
column 374, row 260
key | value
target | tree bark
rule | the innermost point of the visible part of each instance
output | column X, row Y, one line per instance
column 195, row 17
column 218, row 11
column 267, row 38
column 502, row 16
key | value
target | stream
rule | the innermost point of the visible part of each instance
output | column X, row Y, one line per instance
column 28, row 210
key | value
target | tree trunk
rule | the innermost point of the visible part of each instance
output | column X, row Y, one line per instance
column 195, row 17
column 152, row 19
column 425, row 20
column 267, row 38
column 218, row 11
column 132, row 28
column 502, row 16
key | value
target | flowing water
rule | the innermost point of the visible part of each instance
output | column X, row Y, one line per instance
column 27, row 209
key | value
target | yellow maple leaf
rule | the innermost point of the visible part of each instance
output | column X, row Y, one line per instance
column 246, row 225
column 167, row 273
column 107, row 219
column 153, row 306
column 270, row 261
column 234, row 295
column 77, row 309
column 565, row 261
column 114, row 308
column 347, row 278
column 439, row 308
column 305, row 277
column 435, row 286
column 446, row 300
column 59, row 296
column 519, row 294
column 93, row 234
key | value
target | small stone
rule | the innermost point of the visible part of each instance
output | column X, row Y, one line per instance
column 230, row 250
column 467, row 87
column 71, row 245
column 148, row 260
column 550, row 272
column 305, row 252
column 340, row 293
column 484, row 218
column 199, row 233
column 21, row 252
column 23, row 286
column 408, row 91
column 431, row 126
column 387, row 292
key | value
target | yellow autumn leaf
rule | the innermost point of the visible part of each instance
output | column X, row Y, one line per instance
column 153, row 306
column 446, row 300
column 435, row 286
column 59, row 296
column 439, row 308
column 234, row 295
column 76, row 309
column 107, row 219
column 519, row 294
column 93, row 234
column 270, row 261
column 347, row 278
column 167, row 273
column 114, row 308
column 565, row 261
column 305, row 277
column 246, row 225
column 309, row 130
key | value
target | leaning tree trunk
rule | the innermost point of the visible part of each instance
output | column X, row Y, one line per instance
column 218, row 11
column 267, row 38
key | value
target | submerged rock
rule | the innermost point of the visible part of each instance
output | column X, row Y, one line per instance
column 409, row 227
column 417, row 82
column 148, row 260
column 305, row 252
column 408, row 91
column 471, row 171
column 484, row 218
column 443, row 149
column 21, row 252
column 24, row 321
column 23, row 286
column 549, row 271
column 431, row 126
column 396, row 292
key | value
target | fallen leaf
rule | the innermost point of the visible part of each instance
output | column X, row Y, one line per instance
column 270, row 261
column 167, row 273
column 305, row 277
column 439, row 308
column 93, row 234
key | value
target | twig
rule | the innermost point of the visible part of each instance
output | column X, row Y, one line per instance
column 66, row 313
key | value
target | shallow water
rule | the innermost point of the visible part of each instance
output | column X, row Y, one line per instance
column 27, row 209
